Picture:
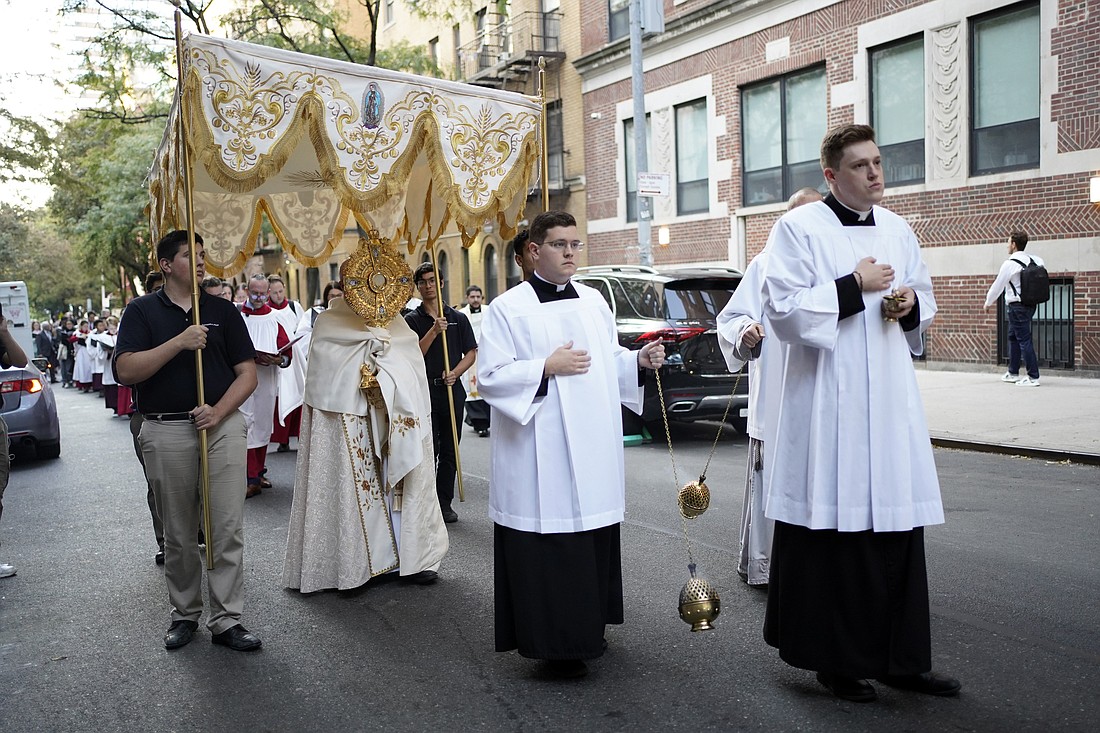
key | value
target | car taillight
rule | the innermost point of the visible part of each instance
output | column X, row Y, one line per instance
column 669, row 335
column 30, row 386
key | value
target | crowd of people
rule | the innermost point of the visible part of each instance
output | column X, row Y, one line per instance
column 828, row 315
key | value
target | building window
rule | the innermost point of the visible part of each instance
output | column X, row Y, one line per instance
column 631, row 167
column 492, row 283
column 444, row 278
column 388, row 17
column 433, row 50
column 618, row 19
column 692, row 175
column 456, row 38
column 555, row 146
column 1004, row 93
column 897, row 109
column 781, row 152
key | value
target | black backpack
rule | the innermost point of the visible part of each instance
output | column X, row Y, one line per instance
column 1034, row 283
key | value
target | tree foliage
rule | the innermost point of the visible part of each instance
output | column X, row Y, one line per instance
column 24, row 148
column 32, row 249
column 100, row 196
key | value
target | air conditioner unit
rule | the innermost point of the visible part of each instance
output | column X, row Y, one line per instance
column 504, row 55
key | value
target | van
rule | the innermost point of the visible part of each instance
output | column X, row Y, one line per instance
column 17, row 310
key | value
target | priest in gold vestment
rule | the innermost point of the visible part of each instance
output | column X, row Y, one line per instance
column 364, row 492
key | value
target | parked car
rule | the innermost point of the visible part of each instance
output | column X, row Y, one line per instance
column 679, row 306
column 30, row 410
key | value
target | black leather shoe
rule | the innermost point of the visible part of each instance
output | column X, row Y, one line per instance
column 424, row 577
column 159, row 557
column 928, row 683
column 566, row 669
column 179, row 634
column 450, row 516
column 238, row 638
column 848, row 688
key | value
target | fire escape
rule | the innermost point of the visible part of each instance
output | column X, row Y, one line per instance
column 505, row 52
column 505, row 55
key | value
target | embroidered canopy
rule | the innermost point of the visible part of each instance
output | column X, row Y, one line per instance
column 309, row 142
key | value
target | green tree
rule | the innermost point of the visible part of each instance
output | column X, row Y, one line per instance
column 24, row 148
column 32, row 249
column 100, row 197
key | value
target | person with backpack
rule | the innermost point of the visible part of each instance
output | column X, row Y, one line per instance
column 1023, row 280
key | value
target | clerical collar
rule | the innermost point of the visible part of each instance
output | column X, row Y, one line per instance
column 850, row 217
column 475, row 310
column 547, row 291
column 279, row 306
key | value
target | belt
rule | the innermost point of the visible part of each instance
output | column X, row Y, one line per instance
column 168, row 416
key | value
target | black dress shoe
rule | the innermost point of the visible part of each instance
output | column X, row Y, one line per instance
column 928, row 683
column 283, row 448
column 848, row 688
column 179, row 634
column 159, row 558
column 238, row 638
column 566, row 669
column 424, row 577
column 450, row 516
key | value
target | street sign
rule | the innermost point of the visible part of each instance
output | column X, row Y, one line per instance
column 654, row 184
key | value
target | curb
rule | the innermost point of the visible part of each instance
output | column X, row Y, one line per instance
column 1089, row 459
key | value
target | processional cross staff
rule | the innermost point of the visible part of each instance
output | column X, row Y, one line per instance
column 447, row 368
column 185, row 161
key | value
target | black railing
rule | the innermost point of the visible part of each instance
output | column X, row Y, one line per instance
column 1051, row 328
column 502, row 43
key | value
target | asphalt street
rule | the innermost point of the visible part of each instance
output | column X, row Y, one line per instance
column 1014, row 582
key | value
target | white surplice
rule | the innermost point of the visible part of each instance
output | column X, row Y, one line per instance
column 292, row 385
column 292, row 379
column 469, row 377
column 259, row 408
column 850, row 427
column 557, row 461
column 743, row 309
column 364, row 491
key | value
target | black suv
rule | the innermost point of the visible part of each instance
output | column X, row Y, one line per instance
column 680, row 306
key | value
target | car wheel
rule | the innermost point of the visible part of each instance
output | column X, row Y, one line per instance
column 49, row 450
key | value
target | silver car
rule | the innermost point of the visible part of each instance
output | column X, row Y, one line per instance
column 30, row 410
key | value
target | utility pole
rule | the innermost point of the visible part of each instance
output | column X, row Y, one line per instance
column 641, row 159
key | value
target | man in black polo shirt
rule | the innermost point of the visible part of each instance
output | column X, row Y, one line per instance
column 155, row 355
column 462, row 350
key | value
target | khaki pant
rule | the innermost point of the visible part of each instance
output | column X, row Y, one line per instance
column 171, row 453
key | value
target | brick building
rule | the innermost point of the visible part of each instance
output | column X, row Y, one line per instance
column 988, row 117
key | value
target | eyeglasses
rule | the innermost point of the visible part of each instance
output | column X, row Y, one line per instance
column 561, row 244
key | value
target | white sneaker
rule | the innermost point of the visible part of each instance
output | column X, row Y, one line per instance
column 6, row 571
column 1010, row 377
column 1028, row 382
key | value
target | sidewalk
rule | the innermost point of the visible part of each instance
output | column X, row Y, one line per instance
column 977, row 411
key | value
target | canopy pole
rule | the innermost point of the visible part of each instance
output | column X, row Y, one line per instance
column 446, row 368
column 544, row 158
column 185, row 160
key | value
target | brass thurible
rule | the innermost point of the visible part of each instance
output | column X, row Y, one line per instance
column 699, row 602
